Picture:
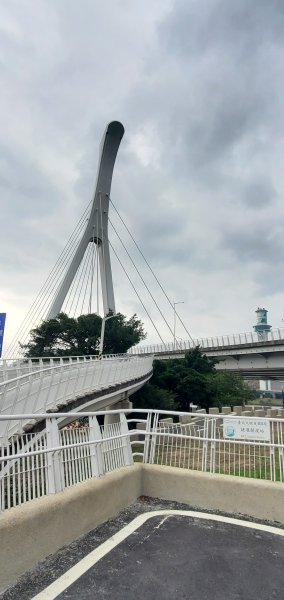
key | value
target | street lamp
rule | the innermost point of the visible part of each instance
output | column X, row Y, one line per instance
column 104, row 319
column 174, row 305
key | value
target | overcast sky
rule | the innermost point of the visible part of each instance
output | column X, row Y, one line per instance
column 198, row 85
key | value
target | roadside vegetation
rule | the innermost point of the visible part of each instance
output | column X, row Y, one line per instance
column 67, row 336
column 178, row 383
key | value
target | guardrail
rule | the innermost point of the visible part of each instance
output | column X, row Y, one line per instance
column 37, row 464
column 220, row 342
column 14, row 367
column 49, row 388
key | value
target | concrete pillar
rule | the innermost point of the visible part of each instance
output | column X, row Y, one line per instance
column 141, row 426
column 238, row 410
column 272, row 412
column 166, row 422
column 214, row 410
column 184, row 419
column 281, row 413
column 226, row 410
column 259, row 412
column 121, row 405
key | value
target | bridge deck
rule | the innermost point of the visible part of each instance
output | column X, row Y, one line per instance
column 167, row 556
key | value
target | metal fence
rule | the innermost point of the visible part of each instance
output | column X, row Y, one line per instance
column 15, row 367
column 38, row 464
column 218, row 342
column 206, row 449
column 52, row 387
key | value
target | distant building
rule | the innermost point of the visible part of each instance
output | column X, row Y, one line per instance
column 261, row 327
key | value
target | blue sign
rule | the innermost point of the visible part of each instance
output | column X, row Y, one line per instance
column 2, row 327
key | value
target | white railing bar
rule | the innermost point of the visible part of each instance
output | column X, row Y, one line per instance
column 214, row 342
column 25, row 361
column 201, row 416
column 66, row 447
column 164, row 433
column 59, row 367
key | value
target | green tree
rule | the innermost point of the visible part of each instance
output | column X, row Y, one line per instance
column 195, row 379
column 194, row 388
column 152, row 397
column 229, row 389
column 194, row 359
column 64, row 336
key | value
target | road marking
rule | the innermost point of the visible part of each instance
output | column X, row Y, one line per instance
column 63, row 582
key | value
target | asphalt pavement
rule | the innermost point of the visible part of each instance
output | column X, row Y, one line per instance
column 167, row 551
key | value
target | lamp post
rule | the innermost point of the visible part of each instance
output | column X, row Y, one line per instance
column 101, row 346
column 174, row 305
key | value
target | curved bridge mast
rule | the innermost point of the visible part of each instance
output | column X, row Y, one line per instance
column 96, row 230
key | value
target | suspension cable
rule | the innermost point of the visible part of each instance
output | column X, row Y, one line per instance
column 45, row 291
column 137, row 294
column 142, row 279
column 149, row 266
column 81, row 278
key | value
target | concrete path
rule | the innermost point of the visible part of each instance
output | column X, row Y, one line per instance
column 164, row 550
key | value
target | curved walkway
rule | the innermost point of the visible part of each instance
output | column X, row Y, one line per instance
column 167, row 553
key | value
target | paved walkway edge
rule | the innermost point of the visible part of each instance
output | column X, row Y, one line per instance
column 40, row 527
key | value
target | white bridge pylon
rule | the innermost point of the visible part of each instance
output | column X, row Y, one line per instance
column 96, row 230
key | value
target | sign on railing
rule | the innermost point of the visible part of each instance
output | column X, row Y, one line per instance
column 247, row 429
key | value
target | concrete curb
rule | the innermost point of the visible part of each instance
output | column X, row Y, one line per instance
column 235, row 495
column 33, row 531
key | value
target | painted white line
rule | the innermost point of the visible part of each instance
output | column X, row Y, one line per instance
column 63, row 582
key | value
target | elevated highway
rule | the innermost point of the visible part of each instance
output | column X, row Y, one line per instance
column 243, row 353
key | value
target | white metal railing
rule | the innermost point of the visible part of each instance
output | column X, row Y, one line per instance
column 14, row 367
column 37, row 464
column 49, row 388
column 243, row 339
column 34, row 465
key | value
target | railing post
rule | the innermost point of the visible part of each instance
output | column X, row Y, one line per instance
column 212, row 435
column 55, row 474
column 147, row 439
column 205, row 445
column 126, row 445
column 97, row 462
column 152, row 452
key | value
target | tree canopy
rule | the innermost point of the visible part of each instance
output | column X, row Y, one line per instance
column 193, row 379
column 64, row 336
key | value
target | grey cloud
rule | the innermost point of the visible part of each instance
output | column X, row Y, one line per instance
column 245, row 24
column 259, row 193
column 198, row 179
column 259, row 244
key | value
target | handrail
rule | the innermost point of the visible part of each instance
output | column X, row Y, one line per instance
column 56, row 386
column 40, row 463
column 62, row 366
column 215, row 342
column 25, row 361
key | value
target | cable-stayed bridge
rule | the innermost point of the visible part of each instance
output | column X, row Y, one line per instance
column 81, row 283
